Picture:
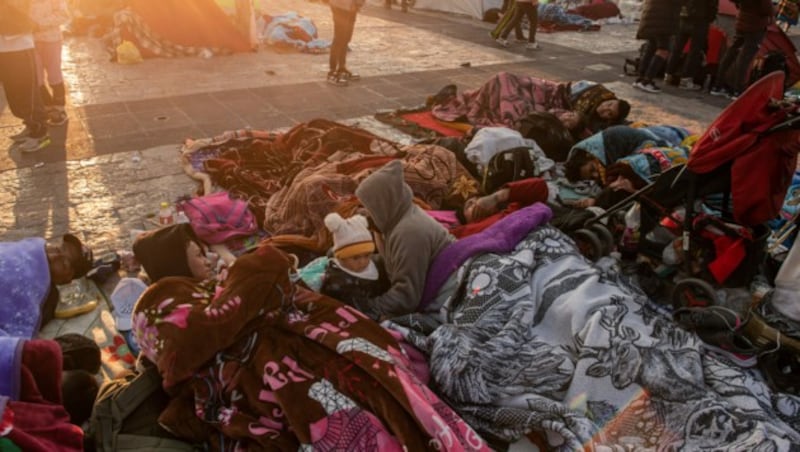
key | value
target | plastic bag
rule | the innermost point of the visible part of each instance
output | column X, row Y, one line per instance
column 128, row 53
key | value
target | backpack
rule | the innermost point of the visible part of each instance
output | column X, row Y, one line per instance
column 217, row 217
column 125, row 415
column 508, row 166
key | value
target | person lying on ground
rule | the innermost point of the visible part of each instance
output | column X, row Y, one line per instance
column 30, row 269
column 598, row 105
column 173, row 251
column 624, row 158
column 506, row 99
column 353, row 275
column 478, row 213
column 406, row 237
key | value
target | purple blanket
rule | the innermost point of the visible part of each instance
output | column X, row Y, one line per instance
column 500, row 237
column 25, row 279
column 10, row 365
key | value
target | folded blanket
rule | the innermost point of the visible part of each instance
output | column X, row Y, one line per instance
column 500, row 237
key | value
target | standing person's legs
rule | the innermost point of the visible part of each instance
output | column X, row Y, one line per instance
column 659, row 49
column 350, row 25
column 338, row 44
column 18, row 76
column 750, row 45
column 508, row 15
column 49, row 56
column 677, row 51
column 516, row 20
column 533, row 23
column 698, row 47
column 647, row 57
column 722, row 83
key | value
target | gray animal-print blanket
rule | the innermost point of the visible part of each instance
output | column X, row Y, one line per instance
column 541, row 339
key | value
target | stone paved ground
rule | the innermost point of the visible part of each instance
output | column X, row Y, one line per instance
column 117, row 157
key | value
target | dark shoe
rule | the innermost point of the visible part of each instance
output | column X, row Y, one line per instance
column 336, row 80
column 349, row 76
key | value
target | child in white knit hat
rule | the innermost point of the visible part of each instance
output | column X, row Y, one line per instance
column 353, row 275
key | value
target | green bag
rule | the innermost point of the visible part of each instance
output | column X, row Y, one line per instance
column 125, row 415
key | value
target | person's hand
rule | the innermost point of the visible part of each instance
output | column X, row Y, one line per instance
column 622, row 183
column 484, row 207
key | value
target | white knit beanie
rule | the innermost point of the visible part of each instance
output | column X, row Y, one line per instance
column 351, row 236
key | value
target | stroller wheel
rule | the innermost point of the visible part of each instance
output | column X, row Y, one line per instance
column 588, row 244
column 605, row 237
column 693, row 293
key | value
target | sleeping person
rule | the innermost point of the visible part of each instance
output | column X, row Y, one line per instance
column 624, row 158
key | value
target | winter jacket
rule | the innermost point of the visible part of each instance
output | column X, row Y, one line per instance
column 699, row 11
column 411, row 240
column 754, row 15
column 15, row 17
column 659, row 18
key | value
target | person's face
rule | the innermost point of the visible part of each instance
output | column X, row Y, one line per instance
column 197, row 261
column 569, row 119
column 589, row 171
column 356, row 263
column 608, row 110
column 60, row 260
column 469, row 210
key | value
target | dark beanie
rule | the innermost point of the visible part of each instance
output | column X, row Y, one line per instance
column 162, row 252
column 79, row 353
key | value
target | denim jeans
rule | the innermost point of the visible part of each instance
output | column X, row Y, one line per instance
column 18, row 77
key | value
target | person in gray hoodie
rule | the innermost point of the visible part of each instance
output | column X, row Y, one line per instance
column 408, row 240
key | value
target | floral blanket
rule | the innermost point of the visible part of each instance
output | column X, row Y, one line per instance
column 539, row 339
column 504, row 100
column 265, row 364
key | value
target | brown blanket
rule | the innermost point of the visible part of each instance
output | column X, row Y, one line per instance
column 265, row 364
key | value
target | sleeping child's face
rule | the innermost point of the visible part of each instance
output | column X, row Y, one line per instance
column 357, row 263
column 590, row 170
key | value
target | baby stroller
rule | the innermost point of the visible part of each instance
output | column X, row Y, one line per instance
column 745, row 159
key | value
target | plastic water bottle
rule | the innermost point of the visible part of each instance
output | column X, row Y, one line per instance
column 166, row 215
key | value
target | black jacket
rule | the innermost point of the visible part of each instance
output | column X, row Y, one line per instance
column 699, row 11
column 350, row 289
column 660, row 18
column 15, row 17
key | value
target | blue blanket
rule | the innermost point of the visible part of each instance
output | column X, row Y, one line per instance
column 500, row 237
column 10, row 364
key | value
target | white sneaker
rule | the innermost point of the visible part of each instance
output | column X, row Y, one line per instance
column 502, row 42
column 30, row 144
column 532, row 46
column 648, row 86
column 688, row 83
